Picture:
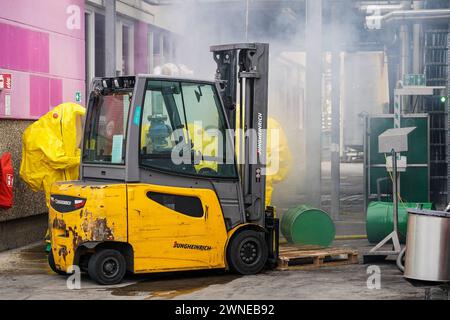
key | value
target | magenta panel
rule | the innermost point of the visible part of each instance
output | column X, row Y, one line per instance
column 67, row 57
column 24, row 49
column 39, row 95
column 56, row 92
column 61, row 16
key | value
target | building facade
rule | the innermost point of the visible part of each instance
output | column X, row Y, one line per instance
column 49, row 52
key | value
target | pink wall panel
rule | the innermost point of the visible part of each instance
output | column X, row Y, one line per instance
column 67, row 57
column 23, row 49
column 70, row 87
column 39, row 95
column 49, row 15
column 56, row 92
column 42, row 46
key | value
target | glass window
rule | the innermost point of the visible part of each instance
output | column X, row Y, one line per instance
column 99, row 45
column 87, row 36
column 106, row 128
column 157, row 44
column 127, row 50
column 190, row 206
column 183, row 130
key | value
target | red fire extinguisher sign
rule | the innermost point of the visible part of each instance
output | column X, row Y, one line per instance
column 7, row 81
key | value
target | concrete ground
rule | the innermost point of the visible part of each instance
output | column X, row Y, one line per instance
column 24, row 274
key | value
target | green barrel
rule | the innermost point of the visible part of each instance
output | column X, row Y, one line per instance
column 307, row 226
column 379, row 221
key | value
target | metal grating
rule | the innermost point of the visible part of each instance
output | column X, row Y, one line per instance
column 435, row 69
column 446, row 112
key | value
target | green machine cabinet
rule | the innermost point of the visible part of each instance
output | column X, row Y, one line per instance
column 415, row 181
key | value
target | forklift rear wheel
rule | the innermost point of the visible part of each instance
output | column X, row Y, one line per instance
column 51, row 263
column 247, row 252
column 107, row 267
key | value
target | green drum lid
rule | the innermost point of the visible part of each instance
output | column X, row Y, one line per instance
column 308, row 226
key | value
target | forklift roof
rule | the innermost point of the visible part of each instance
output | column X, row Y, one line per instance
column 175, row 78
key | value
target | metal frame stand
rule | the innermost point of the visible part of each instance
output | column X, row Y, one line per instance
column 375, row 251
column 445, row 293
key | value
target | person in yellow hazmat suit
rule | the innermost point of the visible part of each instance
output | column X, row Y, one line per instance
column 284, row 157
column 281, row 148
column 276, row 151
column 206, row 144
column 51, row 149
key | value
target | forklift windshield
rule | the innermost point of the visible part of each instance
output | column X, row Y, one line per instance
column 183, row 130
column 106, row 125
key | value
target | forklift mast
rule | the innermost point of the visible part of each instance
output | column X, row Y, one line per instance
column 243, row 77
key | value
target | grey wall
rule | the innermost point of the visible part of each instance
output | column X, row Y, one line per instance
column 26, row 221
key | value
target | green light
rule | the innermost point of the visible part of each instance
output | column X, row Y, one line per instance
column 443, row 99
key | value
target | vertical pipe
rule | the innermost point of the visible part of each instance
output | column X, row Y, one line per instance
column 404, row 62
column 394, row 189
column 417, row 52
column 247, row 12
column 110, row 38
column 335, row 115
column 313, row 101
column 417, row 35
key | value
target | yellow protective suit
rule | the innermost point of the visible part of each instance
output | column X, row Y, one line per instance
column 209, row 147
column 51, row 148
column 284, row 155
column 206, row 144
column 281, row 148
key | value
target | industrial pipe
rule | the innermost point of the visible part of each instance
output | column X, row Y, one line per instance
column 414, row 15
column 399, row 261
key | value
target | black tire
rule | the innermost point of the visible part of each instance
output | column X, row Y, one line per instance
column 247, row 252
column 51, row 263
column 107, row 267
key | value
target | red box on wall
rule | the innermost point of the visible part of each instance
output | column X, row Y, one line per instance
column 7, row 80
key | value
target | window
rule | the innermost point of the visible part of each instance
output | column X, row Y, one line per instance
column 106, row 129
column 190, row 206
column 150, row 57
column 158, row 46
column 125, row 48
column 183, row 130
column 158, row 38
column 99, row 45
column 88, row 33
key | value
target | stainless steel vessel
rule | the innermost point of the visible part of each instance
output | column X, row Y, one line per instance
column 428, row 246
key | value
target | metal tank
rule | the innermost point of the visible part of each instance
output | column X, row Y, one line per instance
column 308, row 227
column 428, row 246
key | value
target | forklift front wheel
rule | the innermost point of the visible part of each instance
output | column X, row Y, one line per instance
column 51, row 263
column 247, row 253
column 107, row 267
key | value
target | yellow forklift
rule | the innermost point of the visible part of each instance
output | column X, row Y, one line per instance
column 149, row 199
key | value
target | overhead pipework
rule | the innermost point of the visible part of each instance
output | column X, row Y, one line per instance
column 378, row 16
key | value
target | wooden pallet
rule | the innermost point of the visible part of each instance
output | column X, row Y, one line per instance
column 295, row 258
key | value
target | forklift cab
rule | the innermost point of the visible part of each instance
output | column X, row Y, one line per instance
column 159, row 188
column 181, row 127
